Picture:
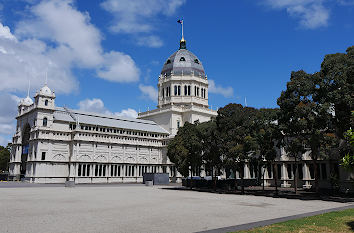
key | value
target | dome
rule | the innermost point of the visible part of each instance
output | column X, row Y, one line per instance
column 45, row 91
column 26, row 101
column 183, row 62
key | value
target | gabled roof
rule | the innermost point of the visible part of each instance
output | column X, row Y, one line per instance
column 89, row 118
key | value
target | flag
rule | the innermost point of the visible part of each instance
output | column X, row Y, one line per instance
column 180, row 21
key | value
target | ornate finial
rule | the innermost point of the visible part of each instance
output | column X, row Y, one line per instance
column 182, row 43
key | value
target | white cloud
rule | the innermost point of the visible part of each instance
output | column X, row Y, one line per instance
column 127, row 113
column 225, row 91
column 6, row 33
column 139, row 16
column 97, row 105
column 8, row 112
column 118, row 67
column 150, row 41
column 136, row 15
column 55, row 38
column 149, row 92
column 311, row 13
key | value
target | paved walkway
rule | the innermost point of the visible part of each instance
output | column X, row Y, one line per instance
column 137, row 208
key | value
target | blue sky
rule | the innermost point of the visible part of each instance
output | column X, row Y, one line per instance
column 105, row 56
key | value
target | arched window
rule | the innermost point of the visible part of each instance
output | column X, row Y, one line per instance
column 196, row 61
column 45, row 121
column 182, row 59
column 46, row 102
column 168, row 61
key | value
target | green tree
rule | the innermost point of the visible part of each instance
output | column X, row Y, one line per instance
column 267, row 136
column 348, row 159
column 236, row 125
column 334, row 87
column 185, row 150
column 212, row 156
column 304, row 121
column 4, row 157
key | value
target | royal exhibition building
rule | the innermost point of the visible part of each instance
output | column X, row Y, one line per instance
column 55, row 144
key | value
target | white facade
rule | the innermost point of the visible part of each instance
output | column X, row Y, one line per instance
column 53, row 144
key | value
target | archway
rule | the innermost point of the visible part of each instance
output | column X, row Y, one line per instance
column 25, row 149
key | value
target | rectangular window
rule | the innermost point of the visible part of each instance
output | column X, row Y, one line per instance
column 299, row 170
column 83, row 169
column 290, row 173
column 88, row 170
column 100, row 171
column 178, row 124
column 312, row 171
column 279, row 171
column 104, row 170
column 43, row 155
column 112, row 167
column 96, row 170
column 118, row 170
column 79, row 170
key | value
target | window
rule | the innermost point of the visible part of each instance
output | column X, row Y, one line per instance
column 168, row 61
column 179, row 90
column 182, row 59
column 45, row 121
column 43, row 155
column 196, row 61
column 178, row 124
column 46, row 102
column 175, row 87
column 79, row 170
column 290, row 174
column 189, row 90
column 185, row 90
column 279, row 171
column 163, row 92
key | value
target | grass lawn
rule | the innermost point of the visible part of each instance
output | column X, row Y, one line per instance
column 338, row 221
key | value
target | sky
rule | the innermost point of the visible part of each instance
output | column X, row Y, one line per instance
column 105, row 56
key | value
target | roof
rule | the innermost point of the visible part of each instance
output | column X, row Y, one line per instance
column 183, row 62
column 107, row 120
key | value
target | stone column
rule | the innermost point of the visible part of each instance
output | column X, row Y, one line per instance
column 306, row 176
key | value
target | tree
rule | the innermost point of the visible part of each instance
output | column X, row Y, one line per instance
column 185, row 150
column 267, row 135
column 236, row 125
column 4, row 158
column 305, row 121
column 212, row 156
column 348, row 159
column 334, row 87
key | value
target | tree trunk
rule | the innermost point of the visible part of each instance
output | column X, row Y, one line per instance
column 275, row 168
column 235, row 169
column 214, row 180
column 263, row 178
column 296, row 176
column 191, row 171
column 315, row 165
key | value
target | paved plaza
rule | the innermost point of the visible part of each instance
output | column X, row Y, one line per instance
column 137, row 208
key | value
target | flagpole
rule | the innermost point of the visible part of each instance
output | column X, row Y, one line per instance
column 182, row 30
